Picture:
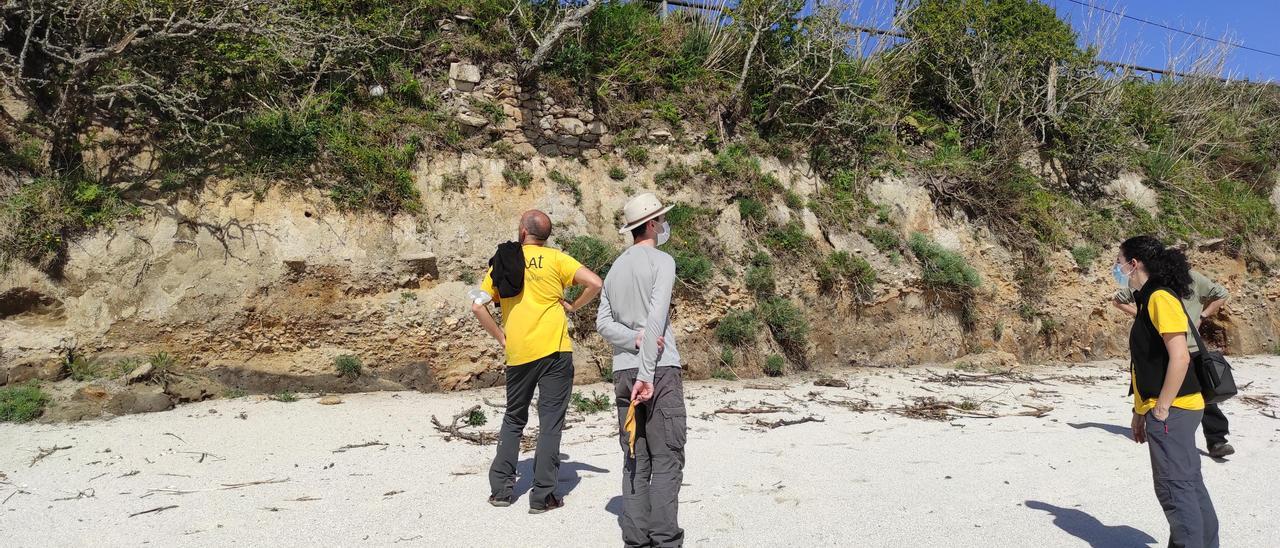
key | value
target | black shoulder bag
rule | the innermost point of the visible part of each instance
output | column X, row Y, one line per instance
column 1211, row 369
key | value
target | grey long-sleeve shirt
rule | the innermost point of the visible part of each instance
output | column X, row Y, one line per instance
column 637, row 295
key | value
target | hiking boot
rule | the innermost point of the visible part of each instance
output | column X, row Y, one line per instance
column 1220, row 450
column 548, row 505
column 500, row 502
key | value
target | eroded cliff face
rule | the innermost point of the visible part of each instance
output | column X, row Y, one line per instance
column 263, row 294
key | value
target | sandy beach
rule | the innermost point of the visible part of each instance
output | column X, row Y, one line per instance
column 871, row 468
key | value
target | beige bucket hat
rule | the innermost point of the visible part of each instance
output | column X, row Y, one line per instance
column 640, row 210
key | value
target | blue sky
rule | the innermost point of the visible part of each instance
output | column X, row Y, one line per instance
column 1251, row 22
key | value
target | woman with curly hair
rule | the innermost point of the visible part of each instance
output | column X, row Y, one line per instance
column 1167, row 404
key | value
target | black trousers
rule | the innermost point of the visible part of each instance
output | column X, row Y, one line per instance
column 1215, row 425
column 553, row 377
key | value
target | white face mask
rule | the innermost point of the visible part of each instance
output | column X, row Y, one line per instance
column 664, row 233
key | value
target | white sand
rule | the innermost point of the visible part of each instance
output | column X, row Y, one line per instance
column 857, row 479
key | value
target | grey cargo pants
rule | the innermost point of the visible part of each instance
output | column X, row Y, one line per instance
column 1175, row 469
column 651, row 478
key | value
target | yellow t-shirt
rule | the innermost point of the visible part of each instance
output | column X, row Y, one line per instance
column 534, row 321
column 1167, row 315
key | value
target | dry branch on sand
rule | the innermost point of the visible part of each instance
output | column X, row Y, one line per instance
column 46, row 452
column 455, row 430
column 787, row 422
column 344, row 448
column 760, row 409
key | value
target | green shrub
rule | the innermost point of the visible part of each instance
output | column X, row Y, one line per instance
column 617, row 173
column 517, row 177
column 761, row 259
column 38, row 220
column 1085, row 255
column 285, row 396
column 943, row 269
column 567, row 184
column 789, row 239
column 734, row 165
column 636, row 154
column 233, row 393
column 841, row 269
column 752, row 211
column 787, row 323
column 476, row 417
column 492, row 111
column 723, row 374
column 737, row 328
column 453, row 182
column 774, row 365
column 726, row 357
column 693, row 268
column 883, row 239
column 22, row 403
column 83, row 368
column 347, row 366
column 596, row 403
column 592, row 252
column 760, row 281
column 673, row 176
column 283, row 139
column 794, row 201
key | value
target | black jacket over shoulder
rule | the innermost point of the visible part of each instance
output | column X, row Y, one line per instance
column 1149, row 356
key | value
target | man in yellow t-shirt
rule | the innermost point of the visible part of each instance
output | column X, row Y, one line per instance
column 535, row 334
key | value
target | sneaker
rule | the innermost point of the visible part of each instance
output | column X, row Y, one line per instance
column 550, row 504
column 1221, row 450
column 500, row 502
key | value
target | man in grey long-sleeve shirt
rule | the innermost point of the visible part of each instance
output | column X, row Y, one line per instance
column 633, row 317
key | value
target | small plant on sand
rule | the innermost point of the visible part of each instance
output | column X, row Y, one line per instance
column 617, row 173
column 347, row 366
column 476, row 417
column 285, row 396
column 596, row 403
column 233, row 393
column 773, row 365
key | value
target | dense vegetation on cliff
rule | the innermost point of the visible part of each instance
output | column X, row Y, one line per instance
column 283, row 92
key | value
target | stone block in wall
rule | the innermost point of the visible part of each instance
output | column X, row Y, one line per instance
column 597, row 127
column 468, row 119
column 463, row 76
column 548, row 150
column 571, row 125
column 568, row 140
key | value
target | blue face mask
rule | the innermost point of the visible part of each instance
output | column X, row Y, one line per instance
column 1117, row 272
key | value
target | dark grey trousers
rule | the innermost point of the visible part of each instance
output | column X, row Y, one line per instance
column 553, row 377
column 651, row 478
column 1175, row 469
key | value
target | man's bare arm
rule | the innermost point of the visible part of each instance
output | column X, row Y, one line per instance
column 488, row 323
column 592, row 284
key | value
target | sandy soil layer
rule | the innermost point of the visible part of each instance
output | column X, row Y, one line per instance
column 874, row 472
